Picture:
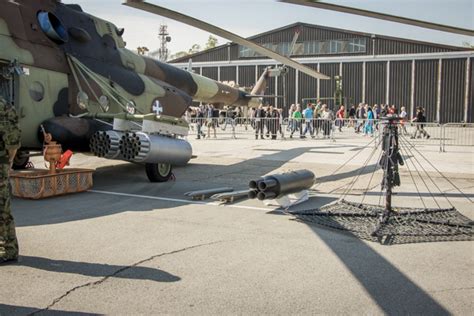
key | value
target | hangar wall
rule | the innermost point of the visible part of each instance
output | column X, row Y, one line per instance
column 375, row 69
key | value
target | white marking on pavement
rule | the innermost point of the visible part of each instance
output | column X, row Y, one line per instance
column 159, row 198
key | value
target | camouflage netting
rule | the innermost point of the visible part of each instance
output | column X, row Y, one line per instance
column 405, row 225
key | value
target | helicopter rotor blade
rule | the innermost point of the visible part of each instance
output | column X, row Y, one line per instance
column 381, row 16
column 145, row 6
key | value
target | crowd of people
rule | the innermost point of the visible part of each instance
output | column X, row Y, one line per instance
column 313, row 119
column 363, row 118
column 207, row 116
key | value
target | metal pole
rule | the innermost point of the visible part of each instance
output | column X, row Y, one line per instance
column 412, row 91
column 387, row 91
column 466, row 90
column 237, row 75
column 438, row 98
column 318, row 85
column 218, row 73
column 276, row 91
column 297, row 83
column 256, row 74
column 363, row 81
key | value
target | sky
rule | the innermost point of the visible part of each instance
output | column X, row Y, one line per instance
column 250, row 17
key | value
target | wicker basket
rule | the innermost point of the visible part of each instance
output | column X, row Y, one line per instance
column 39, row 184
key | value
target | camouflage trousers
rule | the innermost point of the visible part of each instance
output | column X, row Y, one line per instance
column 8, row 241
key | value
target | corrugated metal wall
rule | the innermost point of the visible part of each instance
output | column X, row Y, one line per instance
column 470, row 106
column 328, row 86
column 210, row 72
column 228, row 73
column 290, row 90
column 425, row 94
column 453, row 81
column 426, row 78
column 389, row 46
column 307, row 86
column 376, row 82
column 383, row 45
column 197, row 70
column 352, row 82
column 217, row 54
column 399, row 91
column 246, row 76
column 426, row 73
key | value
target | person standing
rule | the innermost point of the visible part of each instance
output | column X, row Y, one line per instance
column 352, row 115
column 403, row 120
column 369, row 124
column 340, row 117
column 280, row 123
column 259, row 116
column 200, row 122
column 420, row 119
column 211, row 120
column 9, row 144
column 290, row 117
column 360, row 117
column 297, row 117
column 317, row 118
column 327, row 117
column 308, row 118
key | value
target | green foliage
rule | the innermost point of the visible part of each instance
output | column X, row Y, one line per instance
column 211, row 42
column 467, row 44
column 196, row 48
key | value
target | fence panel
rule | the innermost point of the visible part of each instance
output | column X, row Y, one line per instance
column 432, row 134
column 457, row 134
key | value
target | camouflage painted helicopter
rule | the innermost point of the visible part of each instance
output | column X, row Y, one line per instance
column 69, row 72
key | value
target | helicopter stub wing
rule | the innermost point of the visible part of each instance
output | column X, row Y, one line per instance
column 145, row 6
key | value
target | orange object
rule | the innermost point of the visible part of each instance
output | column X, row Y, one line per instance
column 64, row 161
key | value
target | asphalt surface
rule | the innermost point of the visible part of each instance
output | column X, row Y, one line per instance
column 132, row 247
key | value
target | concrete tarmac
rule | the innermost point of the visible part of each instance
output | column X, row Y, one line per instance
column 133, row 247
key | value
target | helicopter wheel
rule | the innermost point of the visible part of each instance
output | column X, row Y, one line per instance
column 21, row 160
column 158, row 172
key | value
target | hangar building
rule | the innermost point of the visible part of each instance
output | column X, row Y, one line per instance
column 374, row 69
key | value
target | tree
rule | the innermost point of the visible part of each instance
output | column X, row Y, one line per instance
column 467, row 44
column 178, row 55
column 196, row 48
column 211, row 42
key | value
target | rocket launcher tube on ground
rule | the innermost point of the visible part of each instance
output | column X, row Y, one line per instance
column 278, row 185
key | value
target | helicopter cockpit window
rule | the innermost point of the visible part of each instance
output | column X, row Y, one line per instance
column 52, row 27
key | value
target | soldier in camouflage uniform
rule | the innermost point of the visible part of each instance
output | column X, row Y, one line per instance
column 9, row 143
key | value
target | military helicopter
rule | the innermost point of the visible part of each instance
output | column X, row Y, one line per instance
column 69, row 73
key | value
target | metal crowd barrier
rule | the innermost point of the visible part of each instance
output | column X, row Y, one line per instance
column 433, row 134
column 457, row 134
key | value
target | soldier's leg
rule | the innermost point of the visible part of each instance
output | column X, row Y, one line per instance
column 9, row 249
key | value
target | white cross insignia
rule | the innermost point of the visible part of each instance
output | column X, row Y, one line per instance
column 157, row 108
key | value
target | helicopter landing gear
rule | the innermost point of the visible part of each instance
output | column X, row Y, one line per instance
column 158, row 172
column 21, row 160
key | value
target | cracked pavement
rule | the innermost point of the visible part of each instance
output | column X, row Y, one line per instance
column 94, row 253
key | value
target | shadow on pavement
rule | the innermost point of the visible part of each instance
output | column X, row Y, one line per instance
column 23, row 310
column 131, row 179
column 96, row 269
column 390, row 289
